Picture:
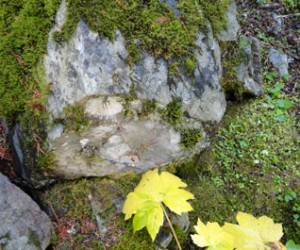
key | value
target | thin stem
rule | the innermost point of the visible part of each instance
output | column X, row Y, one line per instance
column 172, row 229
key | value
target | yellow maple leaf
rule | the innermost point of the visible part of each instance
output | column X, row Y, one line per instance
column 148, row 197
column 212, row 236
column 264, row 226
column 253, row 233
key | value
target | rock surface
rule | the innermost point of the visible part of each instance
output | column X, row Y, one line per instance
column 91, row 65
column 279, row 61
column 249, row 71
column 114, row 143
column 23, row 225
column 230, row 33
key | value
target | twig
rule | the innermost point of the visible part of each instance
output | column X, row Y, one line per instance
column 54, row 213
column 284, row 16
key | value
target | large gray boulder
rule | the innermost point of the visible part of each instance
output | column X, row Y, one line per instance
column 23, row 225
column 89, row 70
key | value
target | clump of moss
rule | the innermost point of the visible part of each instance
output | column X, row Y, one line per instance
column 190, row 137
column 148, row 107
column 24, row 25
column 215, row 12
column 75, row 118
column 173, row 112
column 23, row 33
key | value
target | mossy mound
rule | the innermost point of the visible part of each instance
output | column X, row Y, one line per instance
column 252, row 167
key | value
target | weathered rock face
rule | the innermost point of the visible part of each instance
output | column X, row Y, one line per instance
column 90, row 65
column 249, row 71
column 91, row 70
column 114, row 144
column 23, row 225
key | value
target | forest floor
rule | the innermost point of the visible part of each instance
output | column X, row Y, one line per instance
column 252, row 166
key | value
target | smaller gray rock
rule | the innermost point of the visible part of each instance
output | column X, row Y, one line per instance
column 230, row 33
column 279, row 61
column 250, row 70
column 23, row 225
column 278, row 23
column 163, row 240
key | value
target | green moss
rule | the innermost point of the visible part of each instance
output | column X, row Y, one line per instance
column 74, row 208
column 75, row 118
column 151, row 22
column 190, row 137
column 23, row 28
column 215, row 12
column 148, row 107
column 173, row 112
column 255, row 159
column 45, row 161
column 34, row 239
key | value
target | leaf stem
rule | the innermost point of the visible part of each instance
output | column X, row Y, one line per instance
column 172, row 229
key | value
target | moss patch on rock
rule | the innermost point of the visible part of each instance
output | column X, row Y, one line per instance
column 147, row 25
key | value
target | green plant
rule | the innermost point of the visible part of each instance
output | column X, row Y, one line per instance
column 147, row 202
column 291, row 245
column 292, row 204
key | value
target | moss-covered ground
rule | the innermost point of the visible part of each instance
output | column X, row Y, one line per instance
column 252, row 166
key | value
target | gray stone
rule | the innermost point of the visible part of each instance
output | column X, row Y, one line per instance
column 86, row 65
column 250, row 70
column 54, row 133
column 279, row 61
column 115, row 144
column 210, row 104
column 23, row 225
column 92, row 71
column 90, row 65
column 151, row 79
column 230, row 33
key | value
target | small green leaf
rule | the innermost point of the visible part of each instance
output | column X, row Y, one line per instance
column 291, row 245
column 280, row 118
column 284, row 104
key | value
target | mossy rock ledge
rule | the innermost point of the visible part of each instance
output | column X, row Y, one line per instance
column 130, row 115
